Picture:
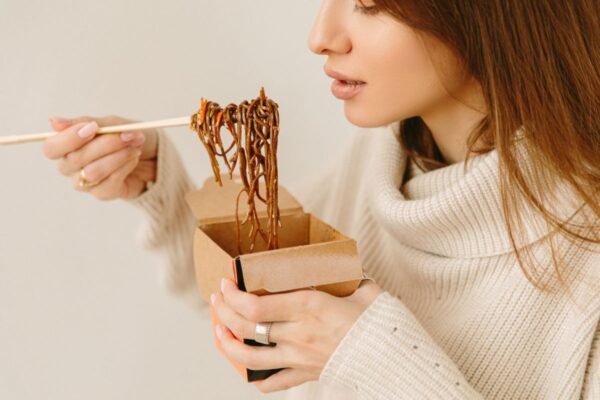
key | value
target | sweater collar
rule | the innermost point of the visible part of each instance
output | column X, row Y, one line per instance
column 446, row 211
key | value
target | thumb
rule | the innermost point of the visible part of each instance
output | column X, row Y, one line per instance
column 59, row 123
column 366, row 292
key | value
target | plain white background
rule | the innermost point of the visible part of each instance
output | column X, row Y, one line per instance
column 81, row 312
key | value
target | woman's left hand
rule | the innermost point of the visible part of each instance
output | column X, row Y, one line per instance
column 308, row 326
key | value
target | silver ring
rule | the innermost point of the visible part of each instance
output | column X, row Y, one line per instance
column 261, row 332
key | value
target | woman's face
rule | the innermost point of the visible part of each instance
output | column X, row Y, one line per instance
column 388, row 56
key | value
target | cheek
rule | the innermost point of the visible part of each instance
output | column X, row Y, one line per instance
column 402, row 82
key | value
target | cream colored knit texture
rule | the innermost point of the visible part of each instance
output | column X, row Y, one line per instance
column 458, row 319
column 168, row 224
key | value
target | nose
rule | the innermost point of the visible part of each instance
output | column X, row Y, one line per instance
column 328, row 34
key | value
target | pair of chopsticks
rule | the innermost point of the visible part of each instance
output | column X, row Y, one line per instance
column 36, row 137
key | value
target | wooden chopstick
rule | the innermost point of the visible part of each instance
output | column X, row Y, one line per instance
column 163, row 123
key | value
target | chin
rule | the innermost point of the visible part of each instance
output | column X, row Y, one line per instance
column 365, row 118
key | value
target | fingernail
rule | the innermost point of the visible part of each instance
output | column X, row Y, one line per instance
column 212, row 298
column 138, row 153
column 88, row 130
column 219, row 331
column 222, row 285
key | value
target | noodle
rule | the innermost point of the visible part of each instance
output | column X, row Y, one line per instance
column 254, row 127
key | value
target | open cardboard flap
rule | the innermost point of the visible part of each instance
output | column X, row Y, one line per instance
column 313, row 266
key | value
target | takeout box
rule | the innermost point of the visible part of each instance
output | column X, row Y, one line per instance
column 311, row 254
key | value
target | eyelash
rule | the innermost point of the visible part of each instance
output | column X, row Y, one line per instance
column 366, row 10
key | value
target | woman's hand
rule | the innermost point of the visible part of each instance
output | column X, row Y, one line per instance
column 118, row 164
column 309, row 326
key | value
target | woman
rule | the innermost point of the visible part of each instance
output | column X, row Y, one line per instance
column 471, row 188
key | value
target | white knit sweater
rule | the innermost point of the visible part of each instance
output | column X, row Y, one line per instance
column 458, row 319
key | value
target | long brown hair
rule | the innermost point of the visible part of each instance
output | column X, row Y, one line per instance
column 538, row 64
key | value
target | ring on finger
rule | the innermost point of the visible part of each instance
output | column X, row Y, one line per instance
column 83, row 182
column 262, row 331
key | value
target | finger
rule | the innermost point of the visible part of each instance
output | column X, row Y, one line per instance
column 70, row 139
column 366, row 293
column 102, row 146
column 136, row 181
column 145, row 170
column 150, row 145
column 67, row 139
column 244, row 329
column 272, row 307
column 59, row 123
column 240, row 326
column 284, row 379
column 114, row 186
column 252, row 357
column 101, row 168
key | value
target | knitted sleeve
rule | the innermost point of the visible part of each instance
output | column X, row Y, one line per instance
column 387, row 354
column 168, row 224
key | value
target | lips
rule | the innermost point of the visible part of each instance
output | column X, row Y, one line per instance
column 341, row 77
column 344, row 87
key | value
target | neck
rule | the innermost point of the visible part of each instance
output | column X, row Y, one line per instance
column 451, row 121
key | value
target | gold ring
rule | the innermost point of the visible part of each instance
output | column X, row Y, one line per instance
column 83, row 182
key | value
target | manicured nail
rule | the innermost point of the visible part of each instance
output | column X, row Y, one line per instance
column 88, row 130
column 222, row 285
column 219, row 331
column 212, row 299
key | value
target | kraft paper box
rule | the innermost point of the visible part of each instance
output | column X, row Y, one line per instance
column 311, row 254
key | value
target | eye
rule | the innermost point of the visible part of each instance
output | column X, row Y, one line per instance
column 365, row 10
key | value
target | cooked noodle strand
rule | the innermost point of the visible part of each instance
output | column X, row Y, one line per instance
column 254, row 129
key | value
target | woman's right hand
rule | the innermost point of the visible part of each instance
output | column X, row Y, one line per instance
column 119, row 163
